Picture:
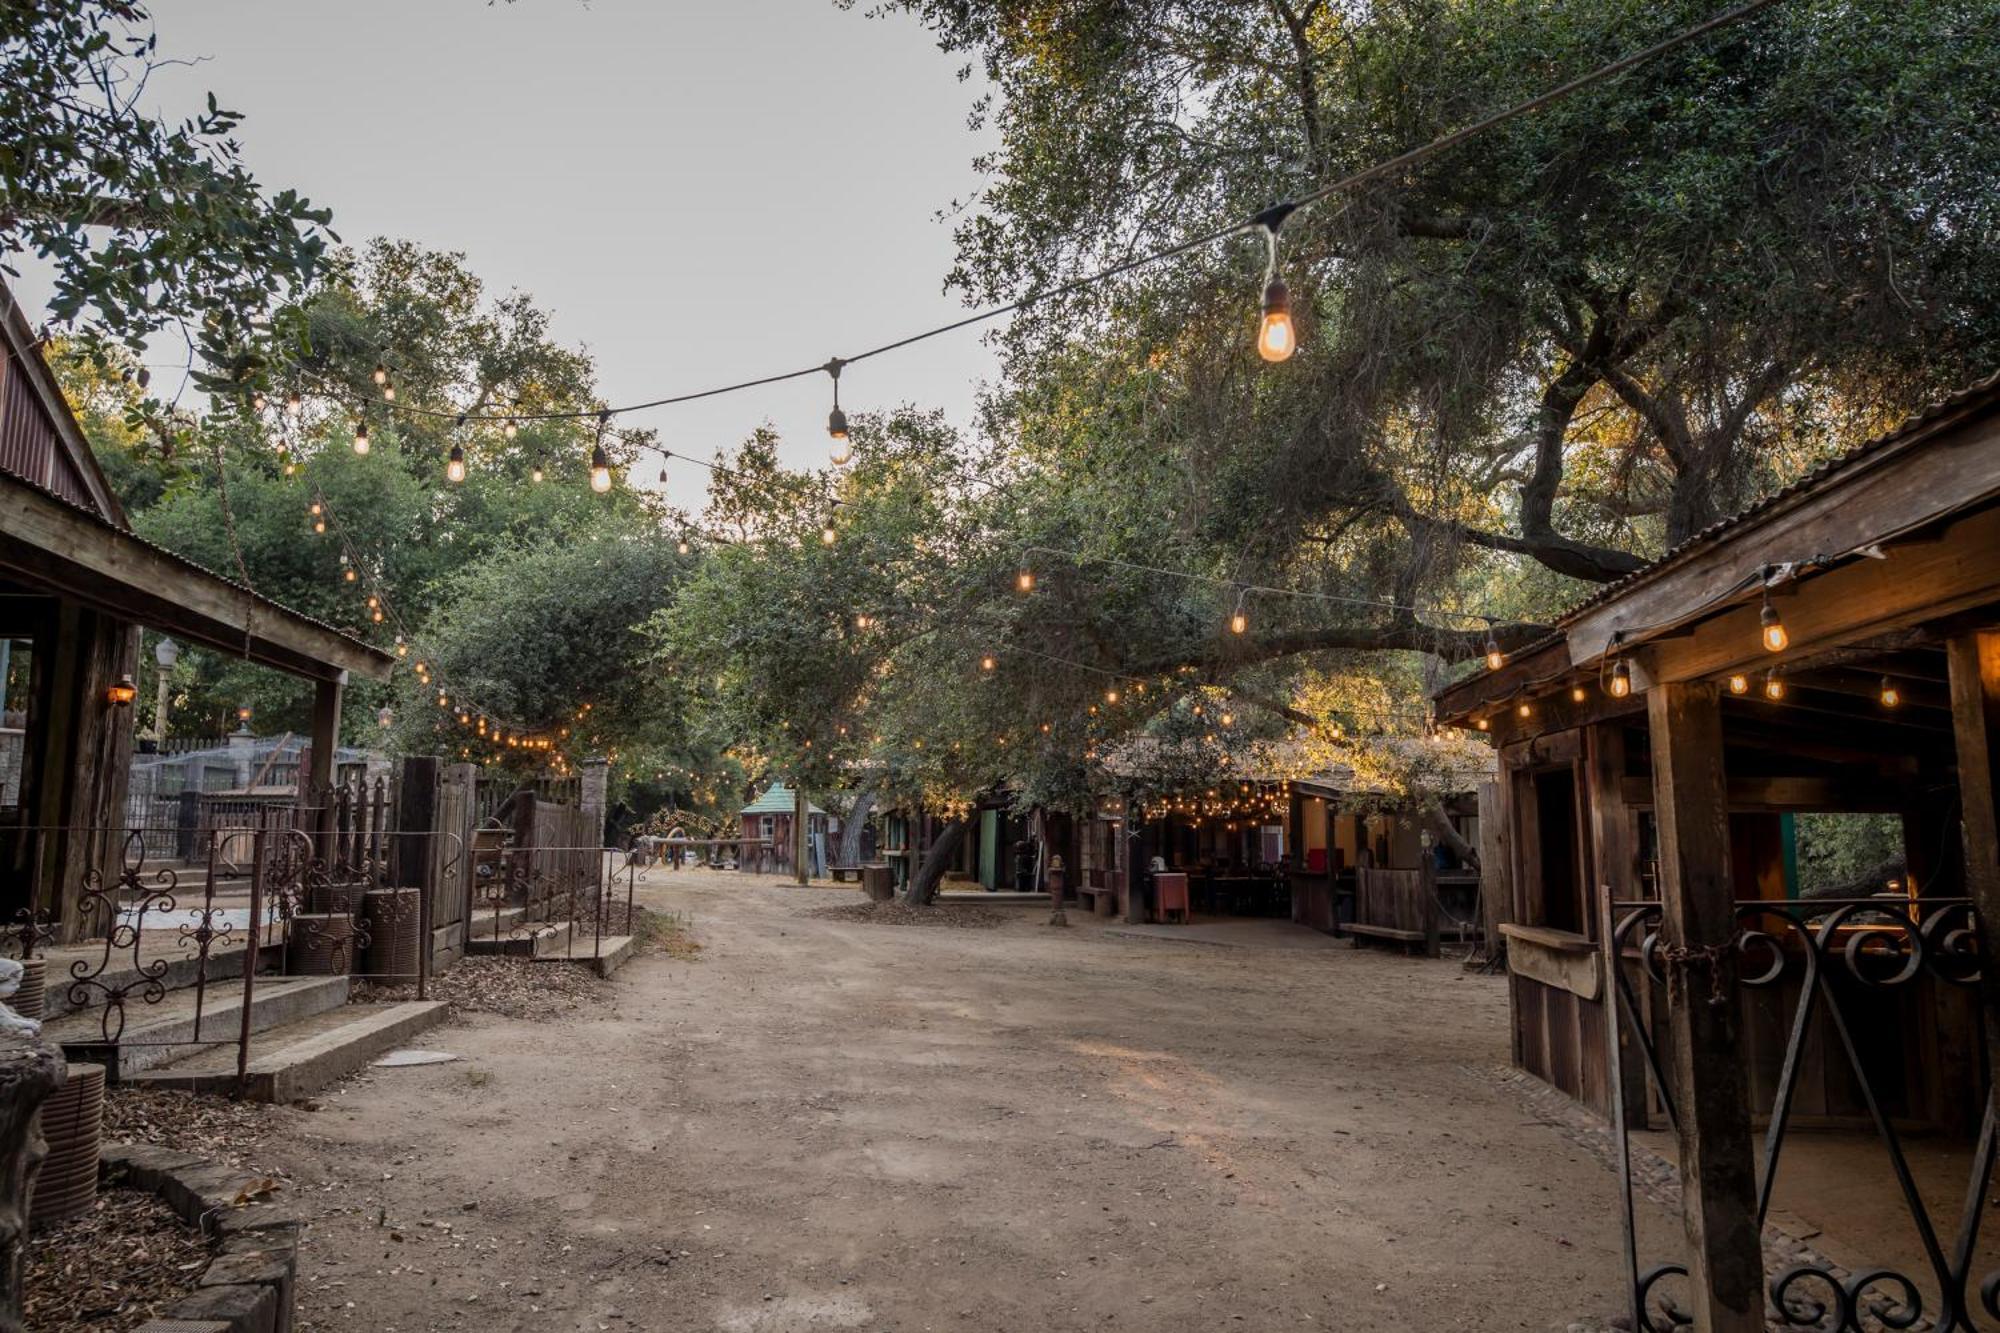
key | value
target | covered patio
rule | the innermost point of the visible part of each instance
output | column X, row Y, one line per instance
column 1685, row 760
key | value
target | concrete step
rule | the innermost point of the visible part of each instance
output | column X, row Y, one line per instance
column 528, row 939
column 300, row 1058
column 157, row 1034
column 612, row 953
column 482, row 926
column 1002, row 899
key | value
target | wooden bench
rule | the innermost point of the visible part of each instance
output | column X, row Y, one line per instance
column 1102, row 901
column 1407, row 938
column 840, row 873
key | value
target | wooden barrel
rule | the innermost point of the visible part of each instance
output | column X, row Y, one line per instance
column 391, row 917
column 73, row 1125
column 320, row 944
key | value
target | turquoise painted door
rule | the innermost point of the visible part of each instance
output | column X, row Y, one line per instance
column 989, row 848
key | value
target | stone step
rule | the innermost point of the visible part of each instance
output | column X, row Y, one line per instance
column 1003, row 898
column 612, row 953
column 300, row 1058
column 527, row 939
column 486, row 923
column 157, row 1034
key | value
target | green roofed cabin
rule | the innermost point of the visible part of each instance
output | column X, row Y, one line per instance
column 768, row 820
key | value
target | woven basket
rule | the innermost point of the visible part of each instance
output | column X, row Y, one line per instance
column 335, row 898
column 73, row 1124
column 320, row 945
column 392, row 918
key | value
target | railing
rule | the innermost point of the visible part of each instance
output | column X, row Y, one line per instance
column 1870, row 947
column 346, row 899
column 576, row 889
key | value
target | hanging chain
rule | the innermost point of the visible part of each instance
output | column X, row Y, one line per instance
column 1679, row 960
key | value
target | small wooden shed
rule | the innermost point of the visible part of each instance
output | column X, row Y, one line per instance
column 770, row 820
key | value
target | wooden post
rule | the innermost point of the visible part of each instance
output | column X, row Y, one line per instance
column 1974, row 661
column 1611, row 864
column 801, row 840
column 1718, row 1175
column 1496, row 894
column 325, row 749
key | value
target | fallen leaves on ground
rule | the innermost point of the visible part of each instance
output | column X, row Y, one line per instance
column 964, row 916
column 112, row 1267
column 509, row 987
column 216, row 1129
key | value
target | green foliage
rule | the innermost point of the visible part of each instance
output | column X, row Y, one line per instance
column 149, row 223
column 1839, row 849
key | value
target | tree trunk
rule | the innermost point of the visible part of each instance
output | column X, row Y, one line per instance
column 30, row 1069
column 923, row 886
column 850, row 828
column 1440, row 826
column 801, row 833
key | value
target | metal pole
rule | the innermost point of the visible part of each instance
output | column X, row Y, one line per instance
column 256, row 943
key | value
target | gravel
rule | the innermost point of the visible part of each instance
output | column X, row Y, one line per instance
column 111, row 1268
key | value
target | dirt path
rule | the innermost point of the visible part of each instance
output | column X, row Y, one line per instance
column 824, row 1125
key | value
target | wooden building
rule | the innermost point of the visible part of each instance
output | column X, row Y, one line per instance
column 771, row 821
column 76, row 587
column 1831, row 653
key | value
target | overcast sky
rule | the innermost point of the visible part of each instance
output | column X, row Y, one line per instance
column 701, row 191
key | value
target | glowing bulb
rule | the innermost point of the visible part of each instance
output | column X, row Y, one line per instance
column 600, row 470
column 1739, row 683
column 681, row 546
column 319, row 525
column 1483, row 724
column 1228, row 719
column 1276, row 339
column 842, row 450
column 1494, row 657
column 454, row 464
column 1111, row 696
column 511, row 428
column 402, row 648
column 1621, row 679
column 1774, row 634
column 836, row 429
column 294, row 404
column 1577, row 694
column 535, row 474
column 1774, row 684
column 381, row 373
column 361, row 438
column 986, row 664
column 259, row 404
column 827, row 536
column 1238, row 623
column 1025, row 580
column 350, row 576
column 1891, row 696
column 388, row 393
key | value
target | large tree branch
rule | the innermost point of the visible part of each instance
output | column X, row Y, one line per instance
column 1453, row 645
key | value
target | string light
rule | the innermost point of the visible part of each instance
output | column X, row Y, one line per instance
column 600, row 463
column 381, row 375
column 388, row 390
column 1774, row 684
column 535, row 472
column 1239, row 619
column 511, row 429
column 987, row 663
column 1774, row 634
column 1025, row 580
column 1739, row 683
column 454, row 464
column 294, row 404
column 1621, row 679
column 1578, row 694
column 1495, row 659
column 842, row 448
column 1276, row 338
column 361, row 437
column 1891, row 696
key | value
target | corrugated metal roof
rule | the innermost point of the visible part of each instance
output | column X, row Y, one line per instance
column 778, row 800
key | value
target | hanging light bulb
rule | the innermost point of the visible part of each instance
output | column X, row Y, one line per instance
column 510, row 428
column 1239, row 619
column 1228, row 719
column 1773, row 629
column 1577, row 694
column 294, row 404
column 1739, row 683
column 314, row 508
column 535, row 473
column 1525, row 709
column 663, row 476
column 1621, row 678
column 987, row 663
column 842, row 448
column 1111, row 696
column 1774, row 684
column 402, row 648
column 385, row 718
column 388, row 391
column 319, row 525
column 259, row 404
column 1495, row 659
column 1276, row 338
column 454, row 464
column 1025, row 580
column 381, row 373
column 827, row 535
column 600, row 470
column 681, row 546
column 1891, row 696
column 361, row 437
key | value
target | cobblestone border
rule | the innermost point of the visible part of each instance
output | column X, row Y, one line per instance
column 1658, row 1180
column 248, row 1285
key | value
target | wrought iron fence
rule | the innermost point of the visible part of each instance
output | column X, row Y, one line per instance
column 1834, row 952
column 547, row 899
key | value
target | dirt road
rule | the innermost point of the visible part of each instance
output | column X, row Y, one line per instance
column 827, row 1125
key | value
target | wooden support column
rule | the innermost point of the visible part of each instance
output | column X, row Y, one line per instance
column 1611, row 871
column 1975, row 711
column 801, row 833
column 1718, row 1174
column 325, row 749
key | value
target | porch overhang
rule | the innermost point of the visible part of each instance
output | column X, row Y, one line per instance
column 51, row 543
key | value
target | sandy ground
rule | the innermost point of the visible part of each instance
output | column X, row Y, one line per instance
column 825, row 1125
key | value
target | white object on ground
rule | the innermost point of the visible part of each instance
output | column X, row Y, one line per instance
column 398, row 1059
